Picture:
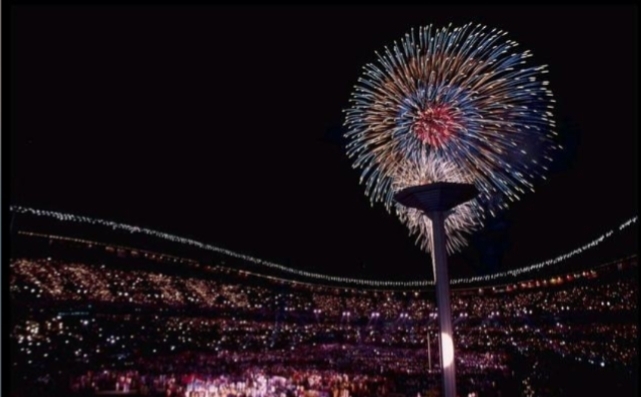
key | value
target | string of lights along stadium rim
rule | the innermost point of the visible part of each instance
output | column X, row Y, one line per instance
column 65, row 217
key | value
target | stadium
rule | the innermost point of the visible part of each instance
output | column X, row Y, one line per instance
column 322, row 202
column 92, row 317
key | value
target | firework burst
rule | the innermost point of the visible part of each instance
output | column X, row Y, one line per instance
column 455, row 104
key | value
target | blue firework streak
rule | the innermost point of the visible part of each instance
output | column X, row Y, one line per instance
column 455, row 104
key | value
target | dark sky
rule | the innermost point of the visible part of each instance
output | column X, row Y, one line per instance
column 225, row 124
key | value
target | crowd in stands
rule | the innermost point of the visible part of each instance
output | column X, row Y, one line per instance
column 62, row 281
column 252, row 382
column 228, row 334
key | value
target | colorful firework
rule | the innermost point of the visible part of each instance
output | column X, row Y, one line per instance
column 457, row 104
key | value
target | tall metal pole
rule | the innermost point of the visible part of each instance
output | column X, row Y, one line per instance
column 436, row 200
column 439, row 262
column 429, row 352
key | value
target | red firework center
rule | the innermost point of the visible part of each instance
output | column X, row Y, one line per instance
column 435, row 125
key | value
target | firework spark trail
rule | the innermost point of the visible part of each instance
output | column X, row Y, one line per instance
column 451, row 105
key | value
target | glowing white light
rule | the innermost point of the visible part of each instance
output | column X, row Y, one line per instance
column 447, row 349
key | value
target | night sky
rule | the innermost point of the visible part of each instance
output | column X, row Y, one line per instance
column 225, row 125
